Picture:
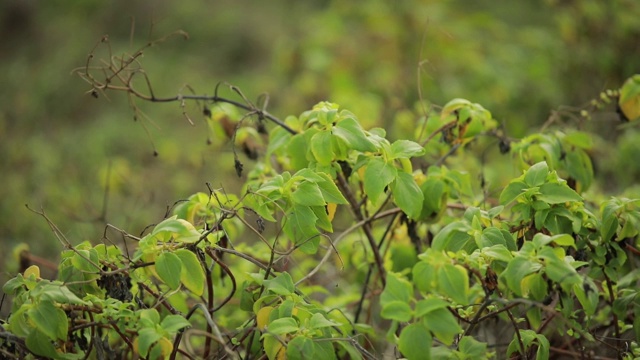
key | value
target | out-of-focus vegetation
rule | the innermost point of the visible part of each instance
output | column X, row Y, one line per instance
column 60, row 147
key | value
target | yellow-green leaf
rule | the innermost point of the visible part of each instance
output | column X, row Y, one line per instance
column 169, row 269
column 192, row 274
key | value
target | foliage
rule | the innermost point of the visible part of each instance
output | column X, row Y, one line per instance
column 60, row 151
column 544, row 262
column 341, row 241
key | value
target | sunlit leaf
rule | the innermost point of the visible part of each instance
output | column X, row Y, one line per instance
column 407, row 195
column 300, row 226
column 443, row 325
column 169, row 269
column 349, row 130
column 40, row 344
column 425, row 306
column 173, row 323
column 321, row 147
column 536, row 174
column 281, row 284
column 320, row 321
column 397, row 289
column 396, row 310
column 453, row 282
column 49, row 319
column 512, row 191
column 308, row 194
column 415, row 342
column 377, row 176
column 554, row 193
column 192, row 275
column 283, row 326
column 146, row 338
column 405, row 149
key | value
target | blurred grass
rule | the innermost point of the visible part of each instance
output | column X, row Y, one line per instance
column 58, row 144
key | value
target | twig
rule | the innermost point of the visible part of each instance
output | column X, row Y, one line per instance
column 366, row 228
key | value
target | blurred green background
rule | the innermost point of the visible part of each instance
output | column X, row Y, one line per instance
column 59, row 145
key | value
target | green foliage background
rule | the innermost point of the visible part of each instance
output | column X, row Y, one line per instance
column 58, row 143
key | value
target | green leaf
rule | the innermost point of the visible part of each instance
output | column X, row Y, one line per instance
column 425, row 306
column 350, row 350
column 452, row 237
column 472, row 348
column 587, row 295
column 415, row 342
column 308, row 194
column 609, row 226
column 498, row 252
column 172, row 323
column 453, row 282
column 443, row 325
column 278, row 139
column 11, row 287
column 169, row 269
column 50, row 320
column 146, row 338
column 192, row 274
column 534, row 286
column 321, row 147
column 377, row 176
column 562, row 273
column 38, row 343
column 318, row 321
column 563, row 240
column 309, row 175
column 578, row 165
column 405, row 149
column 630, row 89
column 397, row 289
column 281, row 284
column 424, row 276
column 578, row 139
column 543, row 348
column 349, row 130
column 493, row 236
column 283, row 326
column 176, row 228
column 58, row 293
column 303, row 348
column 516, row 270
column 512, row 191
column 397, row 310
column 323, row 221
column 536, row 174
column 297, row 151
column 149, row 317
column 435, row 201
column 330, row 191
column 86, row 260
column 300, row 348
column 555, row 193
column 407, row 195
column 322, row 350
column 300, row 225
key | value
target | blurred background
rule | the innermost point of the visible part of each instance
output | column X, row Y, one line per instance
column 60, row 147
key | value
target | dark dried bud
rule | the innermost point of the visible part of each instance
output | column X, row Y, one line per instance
column 238, row 166
column 261, row 224
column 505, row 146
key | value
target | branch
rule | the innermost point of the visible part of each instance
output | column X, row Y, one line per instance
column 366, row 227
